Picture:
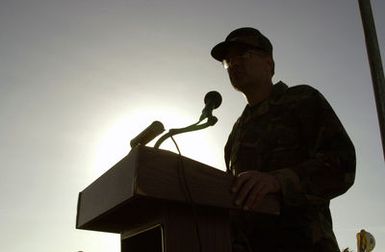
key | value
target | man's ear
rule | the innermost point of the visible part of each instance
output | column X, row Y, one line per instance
column 271, row 63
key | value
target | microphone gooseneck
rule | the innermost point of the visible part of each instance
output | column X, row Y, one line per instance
column 212, row 101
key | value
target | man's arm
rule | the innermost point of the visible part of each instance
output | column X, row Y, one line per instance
column 329, row 170
column 326, row 172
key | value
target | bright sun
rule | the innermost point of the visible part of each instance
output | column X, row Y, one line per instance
column 113, row 142
column 115, row 139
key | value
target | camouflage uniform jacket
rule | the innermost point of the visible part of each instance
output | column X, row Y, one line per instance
column 296, row 136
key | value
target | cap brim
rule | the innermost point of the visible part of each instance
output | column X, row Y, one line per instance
column 220, row 50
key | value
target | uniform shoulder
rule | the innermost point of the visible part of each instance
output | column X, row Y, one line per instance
column 302, row 90
column 298, row 93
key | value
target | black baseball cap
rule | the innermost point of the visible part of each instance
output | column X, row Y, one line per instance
column 243, row 37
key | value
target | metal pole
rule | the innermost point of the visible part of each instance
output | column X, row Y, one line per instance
column 375, row 63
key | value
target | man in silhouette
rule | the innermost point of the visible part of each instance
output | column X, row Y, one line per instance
column 288, row 141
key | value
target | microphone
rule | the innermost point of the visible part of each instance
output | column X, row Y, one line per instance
column 212, row 100
column 149, row 133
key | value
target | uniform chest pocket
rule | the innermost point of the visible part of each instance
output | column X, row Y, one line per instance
column 283, row 138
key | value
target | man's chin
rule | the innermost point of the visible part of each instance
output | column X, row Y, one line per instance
column 239, row 86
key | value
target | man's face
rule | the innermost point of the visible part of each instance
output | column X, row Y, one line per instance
column 248, row 68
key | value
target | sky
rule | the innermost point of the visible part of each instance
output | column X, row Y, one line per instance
column 80, row 78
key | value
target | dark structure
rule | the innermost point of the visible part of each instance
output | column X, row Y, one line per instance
column 375, row 63
column 160, row 201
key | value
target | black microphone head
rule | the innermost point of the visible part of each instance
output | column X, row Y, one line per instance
column 213, row 98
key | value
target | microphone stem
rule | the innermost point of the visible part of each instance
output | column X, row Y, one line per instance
column 194, row 127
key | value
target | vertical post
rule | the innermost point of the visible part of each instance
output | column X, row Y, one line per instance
column 375, row 63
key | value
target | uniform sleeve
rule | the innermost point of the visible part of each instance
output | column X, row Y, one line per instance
column 329, row 167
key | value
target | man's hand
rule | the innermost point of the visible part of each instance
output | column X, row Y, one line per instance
column 252, row 186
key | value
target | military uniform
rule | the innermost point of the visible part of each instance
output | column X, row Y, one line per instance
column 296, row 136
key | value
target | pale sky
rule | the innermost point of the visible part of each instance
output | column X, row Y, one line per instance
column 80, row 78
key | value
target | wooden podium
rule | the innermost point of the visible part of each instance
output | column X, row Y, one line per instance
column 160, row 201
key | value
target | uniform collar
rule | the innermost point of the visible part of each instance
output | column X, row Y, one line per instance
column 263, row 107
column 278, row 90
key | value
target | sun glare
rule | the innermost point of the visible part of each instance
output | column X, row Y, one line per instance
column 115, row 139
